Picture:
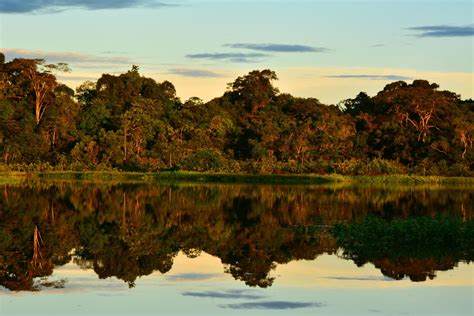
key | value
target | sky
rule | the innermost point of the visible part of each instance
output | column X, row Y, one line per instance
column 330, row 50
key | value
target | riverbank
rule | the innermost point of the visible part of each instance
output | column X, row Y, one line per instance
column 11, row 177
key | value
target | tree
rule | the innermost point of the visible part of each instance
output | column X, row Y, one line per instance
column 362, row 103
column 416, row 104
column 254, row 90
column 42, row 80
column 138, row 127
column 464, row 129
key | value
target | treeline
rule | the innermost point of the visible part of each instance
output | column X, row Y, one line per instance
column 130, row 122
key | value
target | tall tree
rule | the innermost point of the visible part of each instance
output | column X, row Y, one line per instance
column 254, row 90
column 41, row 79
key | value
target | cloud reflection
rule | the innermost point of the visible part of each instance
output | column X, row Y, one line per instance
column 234, row 294
column 362, row 278
column 272, row 305
column 191, row 276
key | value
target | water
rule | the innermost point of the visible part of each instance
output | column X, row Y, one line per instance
column 83, row 248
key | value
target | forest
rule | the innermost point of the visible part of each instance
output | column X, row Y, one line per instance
column 133, row 123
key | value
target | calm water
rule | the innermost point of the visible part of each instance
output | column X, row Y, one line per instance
column 77, row 248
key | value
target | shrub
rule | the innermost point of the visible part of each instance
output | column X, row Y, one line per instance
column 202, row 160
column 459, row 170
column 373, row 167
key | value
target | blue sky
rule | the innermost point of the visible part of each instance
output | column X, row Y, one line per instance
column 325, row 49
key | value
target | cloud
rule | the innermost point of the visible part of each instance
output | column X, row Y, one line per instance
column 113, row 52
column 234, row 294
column 278, row 305
column 194, row 73
column 54, row 6
column 443, row 31
column 76, row 78
column 232, row 57
column 362, row 278
column 111, row 294
column 263, row 50
column 371, row 77
column 66, row 57
column 191, row 276
column 279, row 48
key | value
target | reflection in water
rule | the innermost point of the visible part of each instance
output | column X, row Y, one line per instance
column 278, row 305
column 234, row 294
column 131, row 230
column 414, row 247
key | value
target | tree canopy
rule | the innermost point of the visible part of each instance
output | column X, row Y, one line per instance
column 132, row 122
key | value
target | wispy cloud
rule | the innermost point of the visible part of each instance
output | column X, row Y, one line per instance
column 278, row 48
column 113, row 52
column 66, row 57
column 234, row 294
column 277, row 305
column 443, row 30
column 76, row 78
column 232, row 57
column 111, row 294
column 362, row 278
column 194, row 73
column 191, row 276
column 54, row 6
column 371, row 77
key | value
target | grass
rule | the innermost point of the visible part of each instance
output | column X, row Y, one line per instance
column 195, row 177
column 409, row 179
column 12, row 177
column 207, row 177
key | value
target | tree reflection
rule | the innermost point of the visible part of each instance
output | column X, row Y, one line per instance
column 20, row 267
column 128, row 230
column 415, row 247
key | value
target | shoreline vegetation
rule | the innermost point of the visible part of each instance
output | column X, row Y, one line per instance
column 7, row 177
column 253, row 132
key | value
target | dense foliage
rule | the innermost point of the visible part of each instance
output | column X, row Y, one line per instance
column 131, row 122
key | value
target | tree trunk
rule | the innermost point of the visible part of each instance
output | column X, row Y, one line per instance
column 125, row 144
column 38, row 109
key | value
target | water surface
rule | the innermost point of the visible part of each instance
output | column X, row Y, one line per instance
column 80, row 248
